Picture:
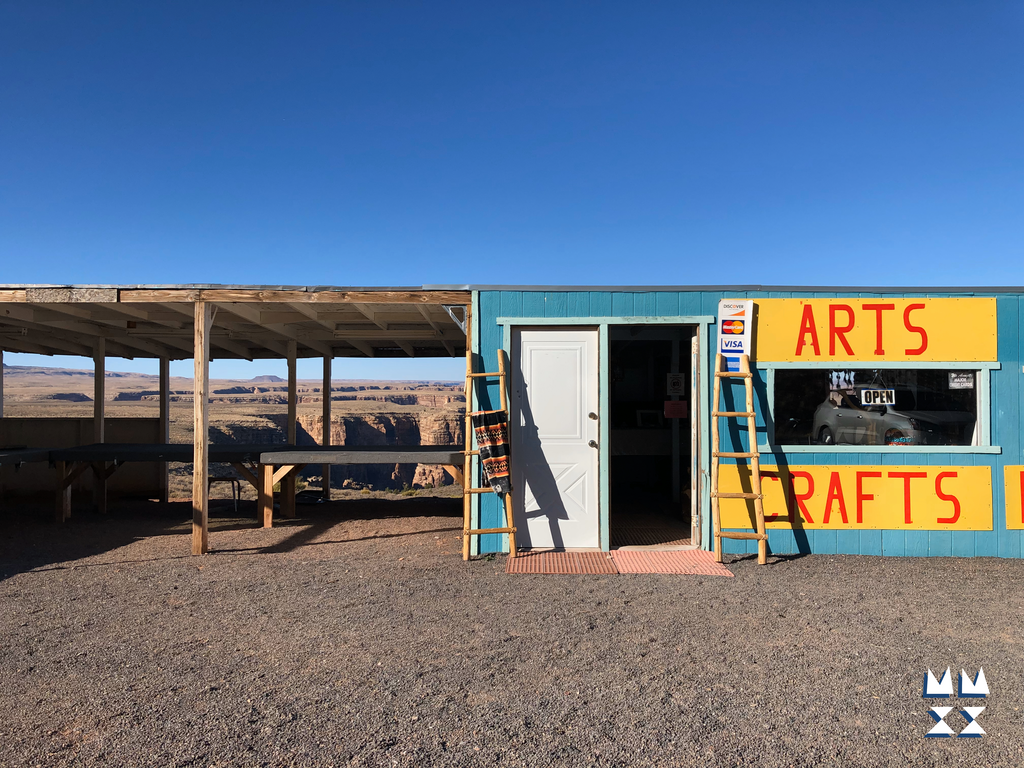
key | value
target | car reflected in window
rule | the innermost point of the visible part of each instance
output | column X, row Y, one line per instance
column 822, row 407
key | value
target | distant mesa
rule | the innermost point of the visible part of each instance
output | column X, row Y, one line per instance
column 32, row 370
column 267, row 377
column 71, row 397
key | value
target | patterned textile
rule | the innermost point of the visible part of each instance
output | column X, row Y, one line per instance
column 491, row 431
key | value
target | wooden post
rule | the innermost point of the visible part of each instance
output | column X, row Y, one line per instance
column 1, row 383
column 288, row 482
column 165, row 422
column 467, row 466
column 755, row 466
column 325, row 396
column 716, row 518
column 99, row 387
column 265, row 493
column 99, row 431
column 292, row 348
column 201, row 429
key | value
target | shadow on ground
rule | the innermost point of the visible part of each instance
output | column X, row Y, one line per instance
column 31, row 540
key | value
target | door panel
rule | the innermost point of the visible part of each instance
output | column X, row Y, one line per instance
column 554, row 468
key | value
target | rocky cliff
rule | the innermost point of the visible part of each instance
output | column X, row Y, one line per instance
column 436, row 427
column 441, row 427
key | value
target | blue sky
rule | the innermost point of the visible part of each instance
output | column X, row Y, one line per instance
column 553, row 143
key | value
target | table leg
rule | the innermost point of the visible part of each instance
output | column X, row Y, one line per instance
column 63, row 507
column 288, row 494
column 265, row 495
column 99, row 489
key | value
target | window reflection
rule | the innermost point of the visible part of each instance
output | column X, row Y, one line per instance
column 876, row 407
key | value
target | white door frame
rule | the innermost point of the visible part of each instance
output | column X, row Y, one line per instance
column 702, row 498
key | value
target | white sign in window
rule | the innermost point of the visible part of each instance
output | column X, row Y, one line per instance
column 878, row 397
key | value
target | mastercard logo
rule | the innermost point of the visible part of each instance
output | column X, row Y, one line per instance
column 732, row 326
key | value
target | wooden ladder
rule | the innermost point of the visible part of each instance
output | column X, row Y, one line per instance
column 467, row 474
column 752, row 455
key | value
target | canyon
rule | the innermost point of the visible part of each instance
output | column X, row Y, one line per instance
column 255, row 411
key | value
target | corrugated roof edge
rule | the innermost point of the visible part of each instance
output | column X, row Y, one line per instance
column 633, row 288
column 726, row 288
column 209, row 286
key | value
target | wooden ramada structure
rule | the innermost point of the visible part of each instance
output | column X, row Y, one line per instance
column 207, row 322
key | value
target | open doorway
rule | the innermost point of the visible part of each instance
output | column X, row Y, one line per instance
column 650, row 435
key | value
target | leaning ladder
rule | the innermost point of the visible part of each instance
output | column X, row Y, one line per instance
column 752, row 455
column 467, row 474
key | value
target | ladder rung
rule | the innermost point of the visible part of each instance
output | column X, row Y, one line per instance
column 733, row 414
column 483, row 375
column 733, row 375
column 736, row 454
column 743, row 535
column 478, row 531
column 471, row 453
column 478, row 490
column 737, row 495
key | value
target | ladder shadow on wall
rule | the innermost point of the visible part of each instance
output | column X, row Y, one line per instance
column 738, row 439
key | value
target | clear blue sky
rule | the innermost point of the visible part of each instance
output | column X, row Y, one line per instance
column 567, row 143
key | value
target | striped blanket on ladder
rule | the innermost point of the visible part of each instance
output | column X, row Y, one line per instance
column 491, row 431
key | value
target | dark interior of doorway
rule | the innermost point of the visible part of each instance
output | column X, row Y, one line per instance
column 649, row 435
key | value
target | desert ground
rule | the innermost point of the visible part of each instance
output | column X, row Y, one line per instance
column 356, row 635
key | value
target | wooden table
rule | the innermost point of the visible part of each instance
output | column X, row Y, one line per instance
column 104, row 459
column 290, row 460
column 19, row 456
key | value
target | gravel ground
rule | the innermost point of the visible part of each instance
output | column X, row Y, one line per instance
column 357, row 636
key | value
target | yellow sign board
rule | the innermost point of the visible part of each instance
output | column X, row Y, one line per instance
column 1014, row 478
column 902, row 498
column 863, row 330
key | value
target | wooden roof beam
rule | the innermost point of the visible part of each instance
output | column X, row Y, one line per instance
column 252, row 315
column 258, row 296
column 312, row 314
column 158, row 350
column 50, row 346
column 420, row 334
column 449, row 347
column 363, row 347
column 142, row 314
column 405, row 347
column 370, row 315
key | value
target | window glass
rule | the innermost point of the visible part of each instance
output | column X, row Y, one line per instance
column 876, row 407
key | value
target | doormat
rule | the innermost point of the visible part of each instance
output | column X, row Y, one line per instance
column 696, row 562
column 560, row 563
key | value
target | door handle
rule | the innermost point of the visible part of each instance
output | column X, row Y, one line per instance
column 592, row 415
column 592, row 443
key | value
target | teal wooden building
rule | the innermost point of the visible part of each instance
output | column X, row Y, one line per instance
column 890, row 418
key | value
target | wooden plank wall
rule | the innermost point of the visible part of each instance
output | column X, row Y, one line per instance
column 1007, row 416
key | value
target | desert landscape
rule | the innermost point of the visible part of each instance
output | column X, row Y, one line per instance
column 254, row 410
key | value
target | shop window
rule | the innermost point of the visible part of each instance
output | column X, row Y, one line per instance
column 883, row 407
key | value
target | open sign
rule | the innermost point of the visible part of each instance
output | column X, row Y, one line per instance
column 878, row 397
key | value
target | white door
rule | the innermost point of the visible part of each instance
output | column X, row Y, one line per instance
column 554, row 438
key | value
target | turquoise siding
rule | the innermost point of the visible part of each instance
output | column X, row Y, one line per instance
column 1006, row 403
